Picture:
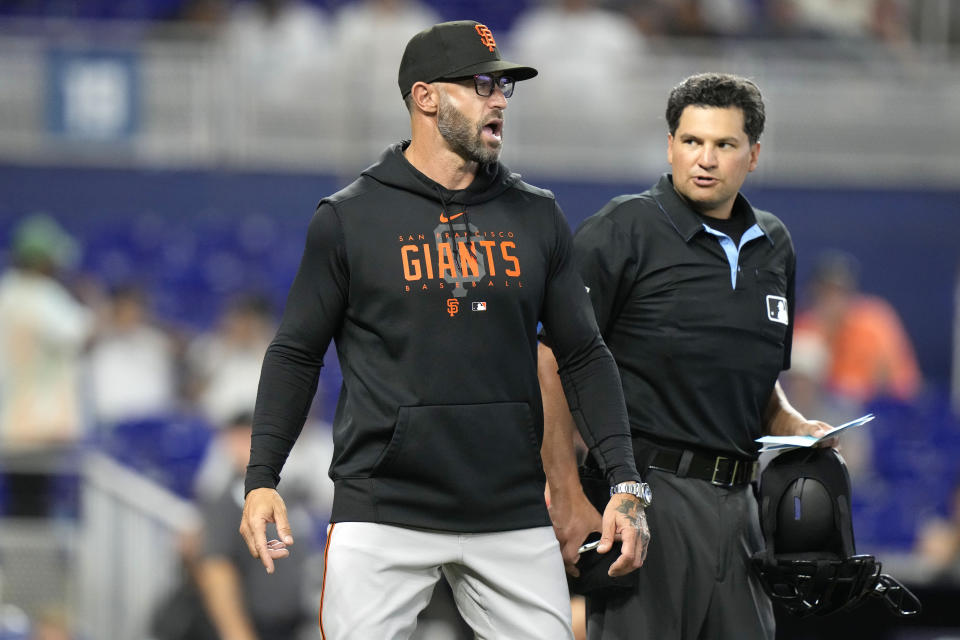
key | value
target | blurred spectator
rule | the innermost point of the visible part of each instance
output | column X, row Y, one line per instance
column 806, row 378
column 204, row 12
column 313, row 451
column 682, row 18
column 583, row 54
column 279, row 46
column 870, row 353
column 14, row 622
column 131, row 364
column 694, row 18
column 881, row 20
column 51, row 625
column 370, row 36
column 224, row 365
column 806, row 384
column 43, row 329
column 244, row 602
column 938, row 544
column 602, row 36
column 731, row 17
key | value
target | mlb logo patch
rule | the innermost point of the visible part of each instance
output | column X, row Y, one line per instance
column 777, row 309
column 478, row 306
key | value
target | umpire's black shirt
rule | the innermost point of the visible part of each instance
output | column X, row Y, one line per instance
column 700, row 327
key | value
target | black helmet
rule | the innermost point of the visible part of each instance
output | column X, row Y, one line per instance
column 805, row 519
column 810, row 564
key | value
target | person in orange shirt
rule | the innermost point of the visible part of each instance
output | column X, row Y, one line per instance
column 870, row 353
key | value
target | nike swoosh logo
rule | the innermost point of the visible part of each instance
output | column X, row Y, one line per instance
column 444, row 218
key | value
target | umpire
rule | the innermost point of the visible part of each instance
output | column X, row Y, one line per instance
column 693, row 290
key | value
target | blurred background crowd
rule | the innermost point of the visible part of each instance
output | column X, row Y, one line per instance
column 160, row 160
column 887, row 20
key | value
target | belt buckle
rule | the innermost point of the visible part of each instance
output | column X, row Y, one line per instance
column 716, row 469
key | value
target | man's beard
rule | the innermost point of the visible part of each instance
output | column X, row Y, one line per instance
column 465, row 139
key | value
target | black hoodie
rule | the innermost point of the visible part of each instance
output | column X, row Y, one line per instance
column 439, row 420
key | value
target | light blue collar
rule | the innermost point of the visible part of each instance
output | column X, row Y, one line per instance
column 732, row 250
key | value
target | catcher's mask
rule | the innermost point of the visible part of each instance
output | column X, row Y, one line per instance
column 810, row 564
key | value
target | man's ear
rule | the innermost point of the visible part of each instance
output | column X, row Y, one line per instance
column 754, row 156
column 425, row 97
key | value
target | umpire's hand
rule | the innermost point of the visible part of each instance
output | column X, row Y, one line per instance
column 263, row 506
column 625, row 519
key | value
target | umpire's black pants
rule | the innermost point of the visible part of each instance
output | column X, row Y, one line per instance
column 696, row 583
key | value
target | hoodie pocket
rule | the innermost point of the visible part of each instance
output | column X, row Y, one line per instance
column 462, row 459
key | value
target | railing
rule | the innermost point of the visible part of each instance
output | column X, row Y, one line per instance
column 127, row 555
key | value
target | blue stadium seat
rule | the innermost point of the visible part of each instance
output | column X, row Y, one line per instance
column 166, row 448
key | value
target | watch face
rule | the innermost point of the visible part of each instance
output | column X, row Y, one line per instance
column 646, row 495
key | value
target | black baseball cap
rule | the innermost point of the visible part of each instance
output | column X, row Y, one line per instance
column 454, row 50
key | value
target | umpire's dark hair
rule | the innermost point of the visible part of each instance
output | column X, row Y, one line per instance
column 718, row 90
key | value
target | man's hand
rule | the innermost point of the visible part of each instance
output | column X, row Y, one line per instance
column 573, row 519
column 781, row 419
column 817, row 429
column 263, row 506
column 624, row 519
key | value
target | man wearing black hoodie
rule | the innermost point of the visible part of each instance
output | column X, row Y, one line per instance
column 431, row 273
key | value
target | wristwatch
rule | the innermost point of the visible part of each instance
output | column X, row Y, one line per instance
column 639, row 489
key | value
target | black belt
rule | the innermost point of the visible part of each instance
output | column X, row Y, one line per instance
column 722, row 471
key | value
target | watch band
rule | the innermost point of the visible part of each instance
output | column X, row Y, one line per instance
column 639, row 489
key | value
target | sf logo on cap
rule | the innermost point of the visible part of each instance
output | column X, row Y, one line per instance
column 486, row 36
